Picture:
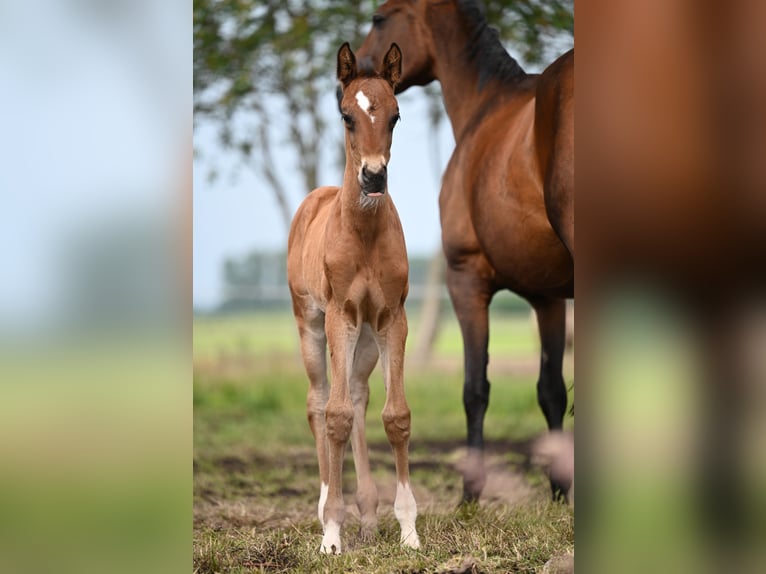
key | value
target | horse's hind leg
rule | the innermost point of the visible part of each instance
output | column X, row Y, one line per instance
column 470, row 296
column 559, row 191
column 551, row 391
column 365, row 358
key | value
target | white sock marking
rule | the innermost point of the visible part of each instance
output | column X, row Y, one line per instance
column 406, row 511
column 323, row 490
column 331, row 538
column 364, row 103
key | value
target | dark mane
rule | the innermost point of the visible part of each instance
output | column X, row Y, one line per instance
column 485, row 48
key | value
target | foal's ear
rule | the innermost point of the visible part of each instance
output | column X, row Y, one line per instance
column 392, row 65
column 346, row 65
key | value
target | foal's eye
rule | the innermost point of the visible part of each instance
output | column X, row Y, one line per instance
column 378, row 19
column 393, row 121
column 348, row 120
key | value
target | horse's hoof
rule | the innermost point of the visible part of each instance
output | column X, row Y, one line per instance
column 474, row 475
column 469, row 498
column 560, row 492
column 467, row 508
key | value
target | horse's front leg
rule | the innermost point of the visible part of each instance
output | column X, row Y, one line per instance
column 339, row 417
column 396, row 420
column 471, row 294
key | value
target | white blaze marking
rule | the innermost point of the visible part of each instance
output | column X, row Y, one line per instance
column 406, row 512
column 323, row 490
column 364, row 103
column 331, row 538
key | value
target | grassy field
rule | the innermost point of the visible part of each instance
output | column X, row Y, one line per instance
column 256, row 480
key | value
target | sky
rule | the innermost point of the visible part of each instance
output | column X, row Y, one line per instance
column 95, row 120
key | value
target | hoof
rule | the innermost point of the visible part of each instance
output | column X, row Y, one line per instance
column 331, row 549
column 331, row 539
column 411, row 541
column 467, row 509
column 469, row 498
column 559, row 493
column 474, row 475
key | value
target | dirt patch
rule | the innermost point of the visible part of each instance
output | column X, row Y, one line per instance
column 560, row 564
column 249, row 492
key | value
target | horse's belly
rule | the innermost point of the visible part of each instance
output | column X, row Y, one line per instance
column 552, row 276
column 526, row 254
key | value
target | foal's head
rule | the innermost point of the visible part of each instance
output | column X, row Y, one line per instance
column 370, row 112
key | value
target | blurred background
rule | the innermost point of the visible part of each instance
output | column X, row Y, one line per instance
column 95, row 406
column 96, row 257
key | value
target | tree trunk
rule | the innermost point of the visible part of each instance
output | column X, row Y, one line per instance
column 268, row 171
column 430, row 314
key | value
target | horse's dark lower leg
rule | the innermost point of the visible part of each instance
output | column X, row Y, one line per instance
column 551, row 391
column 475, row 402
column 470, row 298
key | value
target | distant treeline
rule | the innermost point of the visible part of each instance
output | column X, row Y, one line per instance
column 259, row 281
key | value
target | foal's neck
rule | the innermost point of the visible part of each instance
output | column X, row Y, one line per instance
column 366, row 221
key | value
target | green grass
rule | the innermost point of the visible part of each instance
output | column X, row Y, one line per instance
column 258, row 404
column 255, row 472
column 270, row 332
column 491, row 538
column 258, row 333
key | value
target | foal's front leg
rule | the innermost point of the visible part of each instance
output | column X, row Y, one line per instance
column 396, row 419
column 339, row 416
column 314, row 351
column 365, row 358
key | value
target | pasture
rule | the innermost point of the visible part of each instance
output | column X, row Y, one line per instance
column 256, row 483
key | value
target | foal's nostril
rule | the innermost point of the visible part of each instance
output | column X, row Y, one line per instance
column 369, row 175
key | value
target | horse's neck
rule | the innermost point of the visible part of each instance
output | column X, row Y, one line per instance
column 469, row 82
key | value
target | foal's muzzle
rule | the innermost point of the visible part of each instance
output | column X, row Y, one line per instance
column 373, row 182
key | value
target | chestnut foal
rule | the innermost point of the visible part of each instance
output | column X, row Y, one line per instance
column 347, row 270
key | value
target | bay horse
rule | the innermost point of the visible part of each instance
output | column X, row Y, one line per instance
column 506, row 201
column 348, row 276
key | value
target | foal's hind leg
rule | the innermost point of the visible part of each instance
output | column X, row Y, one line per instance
column 551, row 391
column 365, row 357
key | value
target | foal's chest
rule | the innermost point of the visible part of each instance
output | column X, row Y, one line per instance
column 367, row 289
